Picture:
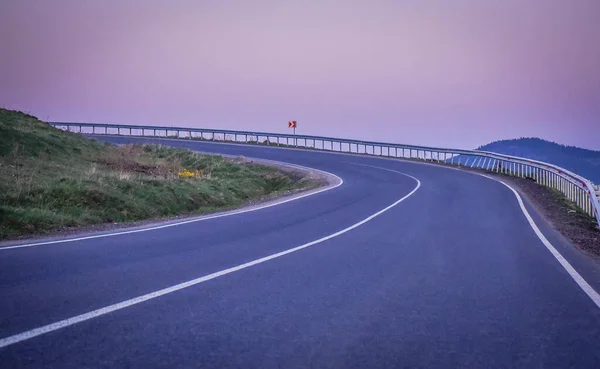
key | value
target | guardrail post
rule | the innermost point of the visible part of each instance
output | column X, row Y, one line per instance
column 587, row 204
column 570, row 189
column 543, row 178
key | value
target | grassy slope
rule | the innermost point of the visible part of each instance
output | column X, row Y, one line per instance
column 51, row 179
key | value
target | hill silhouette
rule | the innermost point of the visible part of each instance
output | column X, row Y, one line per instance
column 580, row 161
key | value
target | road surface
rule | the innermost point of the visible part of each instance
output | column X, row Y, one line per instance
column 404, row 265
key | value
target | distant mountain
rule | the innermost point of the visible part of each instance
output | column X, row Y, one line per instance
column 584, row 162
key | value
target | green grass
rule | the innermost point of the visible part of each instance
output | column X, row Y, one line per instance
column 51, row 179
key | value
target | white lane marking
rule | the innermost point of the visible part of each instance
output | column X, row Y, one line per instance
column 581, row 282
column 206, row 217
column 136, row 300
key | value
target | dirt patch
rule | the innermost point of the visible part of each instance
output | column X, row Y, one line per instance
column 126, row 159
column 128, row 165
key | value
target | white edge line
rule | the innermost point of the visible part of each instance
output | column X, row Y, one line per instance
column 581, row 282
column 202, row 218
column 152, row 295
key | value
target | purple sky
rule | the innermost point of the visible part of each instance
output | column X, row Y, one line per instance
column 433, row 72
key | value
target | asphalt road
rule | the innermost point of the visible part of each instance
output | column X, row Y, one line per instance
column 452, row 276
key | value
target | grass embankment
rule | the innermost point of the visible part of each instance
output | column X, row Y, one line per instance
column 52, row 180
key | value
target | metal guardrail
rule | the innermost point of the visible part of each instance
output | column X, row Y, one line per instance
column 578, row 189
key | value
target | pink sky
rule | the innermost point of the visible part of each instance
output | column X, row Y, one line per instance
column 432, row 72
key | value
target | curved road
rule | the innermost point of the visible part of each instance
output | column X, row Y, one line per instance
column 405, row 265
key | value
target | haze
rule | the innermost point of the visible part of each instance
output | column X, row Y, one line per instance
column 443, row 73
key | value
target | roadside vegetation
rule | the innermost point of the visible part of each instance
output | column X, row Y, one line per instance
column 51, row 180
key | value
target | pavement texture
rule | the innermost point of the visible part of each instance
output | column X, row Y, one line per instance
column 451, row 277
